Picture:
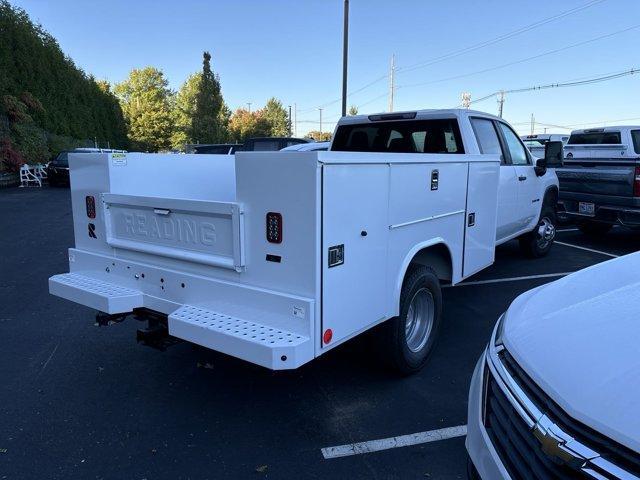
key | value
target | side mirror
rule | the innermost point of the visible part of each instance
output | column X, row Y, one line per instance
column 553, row 154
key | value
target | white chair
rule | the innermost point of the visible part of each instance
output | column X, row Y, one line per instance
column 27, row 177
column 40, row 172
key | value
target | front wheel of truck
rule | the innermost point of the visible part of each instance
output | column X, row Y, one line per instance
column 408, row 339
column 538, row 242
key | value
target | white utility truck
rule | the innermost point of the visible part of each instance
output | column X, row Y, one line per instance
column 278, row 257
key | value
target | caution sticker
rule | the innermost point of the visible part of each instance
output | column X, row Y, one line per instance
column 119, row 159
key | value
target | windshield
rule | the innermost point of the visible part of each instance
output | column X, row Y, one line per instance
column 534, row 143
column 594, row 138
column 418, row 136
column 62, row 160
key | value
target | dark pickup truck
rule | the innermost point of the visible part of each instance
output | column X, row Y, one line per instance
column 600, row 180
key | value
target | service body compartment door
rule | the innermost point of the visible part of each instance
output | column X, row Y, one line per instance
column 480, row 221
column 354, row 247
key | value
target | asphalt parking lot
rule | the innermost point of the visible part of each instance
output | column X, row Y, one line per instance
column 78, row 401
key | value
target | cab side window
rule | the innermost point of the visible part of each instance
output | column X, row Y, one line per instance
column 514, row 145
column 487, row 137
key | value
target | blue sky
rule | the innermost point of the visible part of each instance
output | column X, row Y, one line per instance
column 292, row 49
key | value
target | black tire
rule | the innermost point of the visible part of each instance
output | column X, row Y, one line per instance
column 594, row 229
column 420, row 282
column 534, row 244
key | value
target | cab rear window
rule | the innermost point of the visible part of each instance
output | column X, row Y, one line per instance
column 595, row 138
column 418, row 136
column 635, row 135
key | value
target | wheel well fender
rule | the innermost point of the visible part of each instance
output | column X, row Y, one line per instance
column 433, row 253
column 550, row 194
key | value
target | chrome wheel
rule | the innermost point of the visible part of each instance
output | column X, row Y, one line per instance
column 419, row 322
column 546, row 233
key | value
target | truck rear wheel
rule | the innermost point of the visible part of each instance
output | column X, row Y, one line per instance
column 594, row 229
column 408, row 339
column 538, row 242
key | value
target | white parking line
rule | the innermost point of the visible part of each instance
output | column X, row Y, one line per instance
column 394, row 442
column 587, row 249
column 510, row 279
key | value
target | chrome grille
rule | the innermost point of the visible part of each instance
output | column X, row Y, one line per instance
column 529, row 454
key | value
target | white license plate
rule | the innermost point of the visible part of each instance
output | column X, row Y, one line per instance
column 586, row 208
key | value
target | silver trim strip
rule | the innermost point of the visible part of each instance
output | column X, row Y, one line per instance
column 426, row 219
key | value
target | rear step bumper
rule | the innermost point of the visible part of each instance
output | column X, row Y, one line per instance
column 104, row 296
column 270, row 347
column 254, row 335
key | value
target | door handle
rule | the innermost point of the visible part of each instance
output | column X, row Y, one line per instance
column 522, row 178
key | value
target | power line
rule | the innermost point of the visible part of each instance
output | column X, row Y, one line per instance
column 501, row 38
column 463, row 50
column 571, row 126
column 324, row 105
column 589, row 81
column 522, row 60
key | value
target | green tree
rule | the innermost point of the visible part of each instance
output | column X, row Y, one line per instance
column 277, row 117
column 67, row 106
column 353, row 110
column 205, row 123
column 146, row 102
column 183, row 111
column 244, row 124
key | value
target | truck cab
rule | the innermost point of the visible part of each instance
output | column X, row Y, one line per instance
column 527, row 195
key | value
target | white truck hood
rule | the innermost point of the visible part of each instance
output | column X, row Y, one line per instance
column 578, row 338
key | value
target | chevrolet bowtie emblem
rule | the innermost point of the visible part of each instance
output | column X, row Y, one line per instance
column 554, row 444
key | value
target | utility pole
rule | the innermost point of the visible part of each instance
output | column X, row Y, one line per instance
column 533, row 124
column 290, row 123
column 345, row 52
column 391, row 81
column 501, row 103
column 295, row 117
column 249, row 106
column 320, row 110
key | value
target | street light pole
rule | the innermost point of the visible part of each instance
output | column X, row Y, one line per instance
column 345, row 52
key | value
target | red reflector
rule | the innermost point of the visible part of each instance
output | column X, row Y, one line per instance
column 91, row 206
column 274, row 227
column 636, row 183
column 328, row 335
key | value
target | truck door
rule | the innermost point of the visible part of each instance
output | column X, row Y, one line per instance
column 529, row 188
column 355, row 232
column 489, row 143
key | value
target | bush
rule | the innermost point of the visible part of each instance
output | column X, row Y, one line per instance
column 15, row 109
column 31, row 141
column 10, row 158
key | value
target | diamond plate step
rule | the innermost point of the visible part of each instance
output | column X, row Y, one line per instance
column 104, row 296
column 255, row 342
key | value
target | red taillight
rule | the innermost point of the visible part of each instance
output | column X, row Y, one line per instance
column 91, row 206
column 274, row 227
column 636, row 183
